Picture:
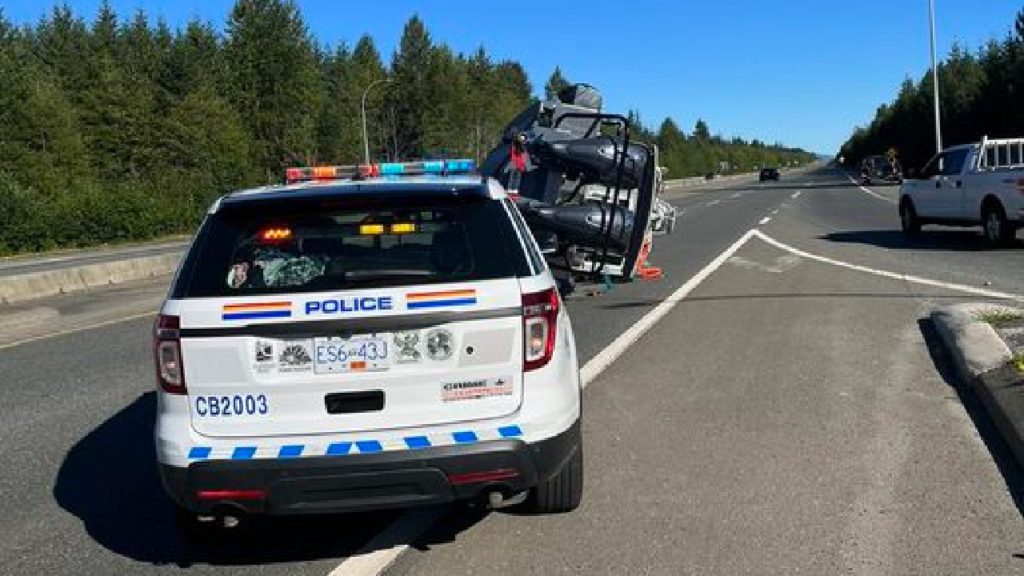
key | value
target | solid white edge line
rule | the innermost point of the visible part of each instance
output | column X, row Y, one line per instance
column 385, row 548
column 872, row 193
column 389, row 544
column 78, row 329
column 606, row 357
column 886, row 274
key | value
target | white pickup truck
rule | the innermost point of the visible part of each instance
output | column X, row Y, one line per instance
column 969, row 185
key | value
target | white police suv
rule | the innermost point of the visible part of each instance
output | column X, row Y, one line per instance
column 364, row 338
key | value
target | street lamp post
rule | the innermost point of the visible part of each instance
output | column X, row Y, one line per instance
column 366, row 138
column 935, row 79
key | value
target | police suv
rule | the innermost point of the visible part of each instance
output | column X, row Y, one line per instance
column 360, row 338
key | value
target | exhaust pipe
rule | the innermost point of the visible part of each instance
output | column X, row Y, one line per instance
column 496, row 499
column 227, row 516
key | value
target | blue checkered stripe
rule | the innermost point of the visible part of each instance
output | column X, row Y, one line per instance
column 367, row 446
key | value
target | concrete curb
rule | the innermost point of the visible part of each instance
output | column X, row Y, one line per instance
column 975, row 345
column 983, row 361
column 24, row 287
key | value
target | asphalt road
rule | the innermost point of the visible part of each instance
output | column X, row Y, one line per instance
column 789, row 415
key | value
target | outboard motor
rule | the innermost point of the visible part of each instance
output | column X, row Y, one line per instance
column 587, row 191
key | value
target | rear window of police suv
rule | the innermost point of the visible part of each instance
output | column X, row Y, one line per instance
column 310, row 245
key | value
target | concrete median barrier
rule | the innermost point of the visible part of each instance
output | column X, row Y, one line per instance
column 24, row 287
column 985, row 363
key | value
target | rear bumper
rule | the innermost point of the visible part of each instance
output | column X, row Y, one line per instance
column 359, row 482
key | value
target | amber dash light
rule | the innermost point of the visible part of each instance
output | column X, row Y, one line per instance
column 276, row 234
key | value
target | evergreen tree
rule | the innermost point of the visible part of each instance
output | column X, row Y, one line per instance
column 409, row 96
column 274, row 81
column 556, row 82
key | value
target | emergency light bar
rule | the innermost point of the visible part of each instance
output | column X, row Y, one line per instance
column 427, row 167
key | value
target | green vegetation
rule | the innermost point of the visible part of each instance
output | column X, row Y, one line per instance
column 700, row 153
column 1000, row 317
column 115, row 130
column 981, row 95
column 1018, row 362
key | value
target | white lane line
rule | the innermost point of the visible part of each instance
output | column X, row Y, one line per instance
column 388, row 545
column 382, row 551
column 714, row 202
column 887, row 274
column 79, row 329
column 875, row 194
column 736, row 195
column 605, row 357
column 796, row 194
column 764, row 220
column 775, row 212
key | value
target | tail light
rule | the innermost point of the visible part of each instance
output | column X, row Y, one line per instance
column 167, row 351
column 540, row 314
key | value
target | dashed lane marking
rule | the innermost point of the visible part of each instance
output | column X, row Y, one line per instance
column 714, row 202
column 796, row 194
column 764, row 220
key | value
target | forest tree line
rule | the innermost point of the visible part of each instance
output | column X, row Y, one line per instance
column 982, row 93
column 119, row 129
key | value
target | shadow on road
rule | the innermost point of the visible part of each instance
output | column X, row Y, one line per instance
column 108, row 480
column 785, row 296
column 1011, row 471
column 950, row 240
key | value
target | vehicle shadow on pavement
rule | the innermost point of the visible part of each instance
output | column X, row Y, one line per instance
column 950, row 240
column 1013, row 474
column 109, row 480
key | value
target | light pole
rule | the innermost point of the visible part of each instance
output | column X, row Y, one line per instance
column 935, row 79
column 366, row 138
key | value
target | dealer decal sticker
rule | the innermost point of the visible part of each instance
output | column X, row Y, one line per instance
column 256, row 311
column 445, row 299
column 476, row 389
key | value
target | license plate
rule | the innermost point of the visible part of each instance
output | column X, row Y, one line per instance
column 333, row 355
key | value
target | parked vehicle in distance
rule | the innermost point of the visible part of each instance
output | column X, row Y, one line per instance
column 769, row 174
column 969, row 185
column 880, row 169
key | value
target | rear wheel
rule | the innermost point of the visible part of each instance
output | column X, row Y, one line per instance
column 564, row 491
column 908, row 219
column 998, row 231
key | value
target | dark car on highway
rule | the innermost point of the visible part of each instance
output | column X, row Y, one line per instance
column 880, row 169
column 769, row 174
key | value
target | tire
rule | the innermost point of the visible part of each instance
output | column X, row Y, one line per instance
column 563, row 492
column 909, row 221
column 998, row 230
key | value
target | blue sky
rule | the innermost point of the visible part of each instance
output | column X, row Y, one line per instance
column 802, row 72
